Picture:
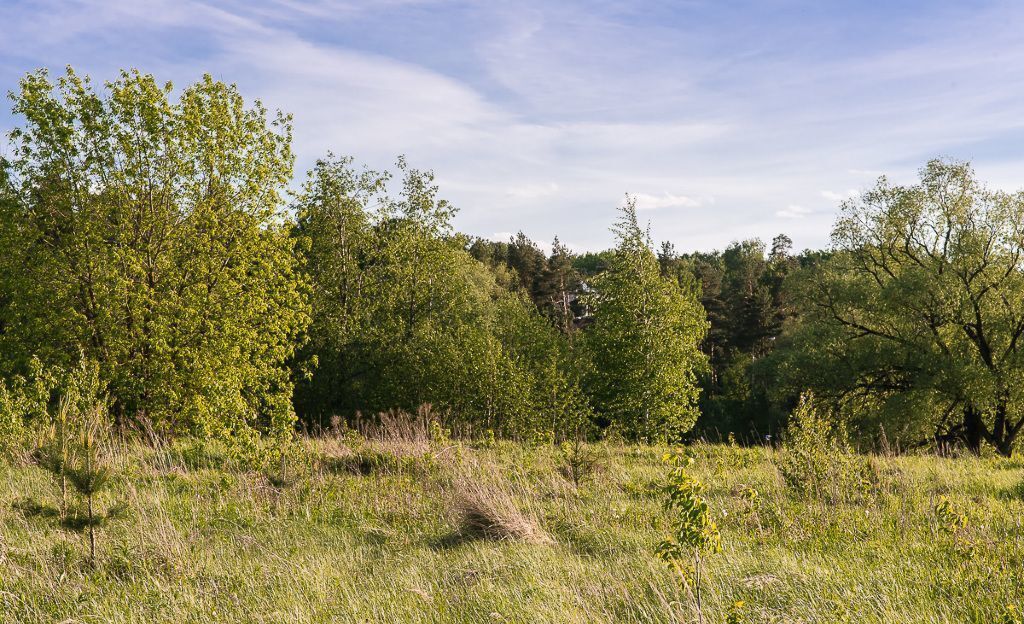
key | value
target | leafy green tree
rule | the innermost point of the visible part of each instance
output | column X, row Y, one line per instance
column 644, row 341
column 592, row 263
column 148, row 234
column 404, row 315
column 918, row 315
column 339, row 241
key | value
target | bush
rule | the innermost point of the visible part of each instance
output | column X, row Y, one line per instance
column 23, row 406
column 816, row 457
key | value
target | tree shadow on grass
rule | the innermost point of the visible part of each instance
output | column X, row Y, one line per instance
column 31, row 508
column 1014, row 492
column 454, row 539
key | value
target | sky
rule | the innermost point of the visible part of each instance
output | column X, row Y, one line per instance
column 726, row 120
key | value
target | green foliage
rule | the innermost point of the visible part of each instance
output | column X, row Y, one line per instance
column 643, row 344
column 89, row 474
column 951, row 520
column 914, row 321
column 147, row 234
column 403, row 315
column 742, row 290
column 694, row 531
column 693, row 528
column 816, row 458
column 72, row 452
column 1012, row 615
column 735, row 613
column 578, row 461
column 24, row 403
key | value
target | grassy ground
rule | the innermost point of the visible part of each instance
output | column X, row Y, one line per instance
column 395, row 532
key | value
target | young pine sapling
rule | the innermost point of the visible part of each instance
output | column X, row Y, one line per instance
column 89, row 475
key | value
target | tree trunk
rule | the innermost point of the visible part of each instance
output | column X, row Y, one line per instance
column 1003, row 434
column 974, row 429
column 92, row 536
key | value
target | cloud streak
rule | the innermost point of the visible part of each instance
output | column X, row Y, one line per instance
column 540, row 116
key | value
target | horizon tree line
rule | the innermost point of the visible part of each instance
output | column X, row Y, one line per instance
column 153, row 237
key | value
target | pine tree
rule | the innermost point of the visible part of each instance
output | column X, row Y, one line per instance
column 89, row 474
column 558, row 288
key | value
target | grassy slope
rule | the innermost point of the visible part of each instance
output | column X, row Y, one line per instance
column 207, row 544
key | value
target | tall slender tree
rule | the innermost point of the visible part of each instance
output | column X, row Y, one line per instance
column 644, row 342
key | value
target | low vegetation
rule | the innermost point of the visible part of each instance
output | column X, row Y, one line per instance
column 437, row 530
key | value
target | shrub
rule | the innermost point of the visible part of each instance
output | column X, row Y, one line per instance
column 816, row 458
column 23, row 405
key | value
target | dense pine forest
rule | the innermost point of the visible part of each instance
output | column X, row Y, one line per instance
column 264, row 396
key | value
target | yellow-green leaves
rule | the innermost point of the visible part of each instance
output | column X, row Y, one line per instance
column 693, row 527
column 147, row 235
column 644, row 342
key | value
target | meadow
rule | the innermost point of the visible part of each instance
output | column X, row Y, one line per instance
column 405, row 524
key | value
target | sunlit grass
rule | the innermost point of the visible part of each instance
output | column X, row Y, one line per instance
column 206, row 542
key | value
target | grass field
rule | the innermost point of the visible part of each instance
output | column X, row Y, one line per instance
column 398, row 531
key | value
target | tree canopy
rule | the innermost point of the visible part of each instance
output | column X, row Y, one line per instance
column 152, row 235
column 644, row 341
column 404, row 315
column 917, row 318
column 147, row 234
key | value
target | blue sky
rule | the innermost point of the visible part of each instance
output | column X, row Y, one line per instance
column 727, row 120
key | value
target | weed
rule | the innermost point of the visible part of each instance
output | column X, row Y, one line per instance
column 1012, row 615
column 735, row 613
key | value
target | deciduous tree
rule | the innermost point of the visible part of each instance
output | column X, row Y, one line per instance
column 644, row 341
column 146, row 233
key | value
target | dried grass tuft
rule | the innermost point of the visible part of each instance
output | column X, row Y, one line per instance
column 487, row 508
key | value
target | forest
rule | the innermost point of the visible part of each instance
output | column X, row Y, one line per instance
column 159, row 242
column 187, row 320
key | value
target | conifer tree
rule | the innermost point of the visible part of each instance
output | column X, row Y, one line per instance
column 559, row 284
column 89, row 474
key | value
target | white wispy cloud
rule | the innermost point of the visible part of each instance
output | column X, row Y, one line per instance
column 839, row 197
column 793, row 211
column 539, row 116
column 665, row 200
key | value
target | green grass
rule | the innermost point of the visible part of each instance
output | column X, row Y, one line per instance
column 207, row 543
